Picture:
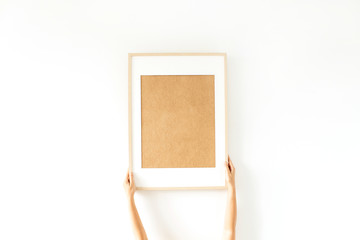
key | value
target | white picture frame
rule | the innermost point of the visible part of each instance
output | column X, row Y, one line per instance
column 177, row 64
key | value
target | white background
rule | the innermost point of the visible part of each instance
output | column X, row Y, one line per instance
column 293, row 104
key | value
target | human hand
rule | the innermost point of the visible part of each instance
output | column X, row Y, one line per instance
column 230, row 174
column 129, row 184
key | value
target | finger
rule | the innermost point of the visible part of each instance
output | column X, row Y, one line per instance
column 126, row 181
column 229, row 159
column 231, row 163
column 232, row 166
column 128, row 176
column 131, row 177
column 228, row 162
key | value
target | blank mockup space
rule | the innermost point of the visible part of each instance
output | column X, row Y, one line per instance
column 177, row 121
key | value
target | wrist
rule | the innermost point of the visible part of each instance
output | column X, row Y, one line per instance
column 130, row 197
column 231, row 188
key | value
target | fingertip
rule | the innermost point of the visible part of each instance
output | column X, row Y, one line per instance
column 232, row 165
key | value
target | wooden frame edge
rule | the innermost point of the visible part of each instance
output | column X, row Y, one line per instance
column 130, row 109
column 226, row 108
column 180, row 188
column 130, row 55
column 177, row 54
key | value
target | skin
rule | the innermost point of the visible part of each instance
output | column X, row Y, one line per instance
column 138, row 228
column 231, row 210
column 230, row 214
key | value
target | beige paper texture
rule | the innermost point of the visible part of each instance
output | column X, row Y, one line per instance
column 177, row 121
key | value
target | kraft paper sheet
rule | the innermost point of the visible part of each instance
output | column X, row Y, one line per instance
column 177, row 121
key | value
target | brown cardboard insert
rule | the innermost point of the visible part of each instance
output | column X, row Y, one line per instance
column 177, row 121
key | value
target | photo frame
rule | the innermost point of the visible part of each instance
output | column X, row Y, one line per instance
column 158, row 155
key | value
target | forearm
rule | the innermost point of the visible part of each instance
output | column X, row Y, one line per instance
column 138, row 227
column 230, row 215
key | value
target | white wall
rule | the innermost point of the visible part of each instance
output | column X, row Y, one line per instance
column 294, row 134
